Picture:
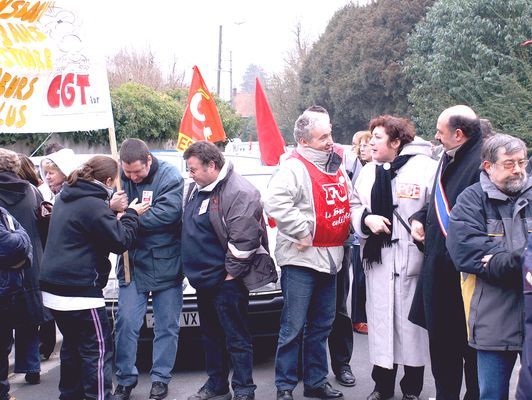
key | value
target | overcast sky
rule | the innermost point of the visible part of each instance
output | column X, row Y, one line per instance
column 257, row 32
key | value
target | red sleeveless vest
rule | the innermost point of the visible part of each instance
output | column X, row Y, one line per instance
column 331, row 205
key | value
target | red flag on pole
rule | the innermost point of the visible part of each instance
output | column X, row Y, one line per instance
column 201, row 120
column 271, row 143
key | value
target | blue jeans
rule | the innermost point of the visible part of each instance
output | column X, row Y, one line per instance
column 309, row 306
column 223, row 313
column 132, row 307
column 494, row 372
column 27, row 357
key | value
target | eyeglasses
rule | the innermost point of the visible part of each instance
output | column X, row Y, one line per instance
column 510, row 164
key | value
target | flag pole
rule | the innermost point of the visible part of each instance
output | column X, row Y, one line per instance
column 114, row 153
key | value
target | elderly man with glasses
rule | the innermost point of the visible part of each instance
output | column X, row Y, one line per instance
column 487, row 234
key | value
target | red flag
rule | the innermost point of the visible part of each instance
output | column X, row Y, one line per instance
column 201, row 120
column 271, row 143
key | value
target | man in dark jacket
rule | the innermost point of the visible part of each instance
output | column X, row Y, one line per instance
column 437, row 303
column 487, row 235
column 524, row 385
column 15, row 254
column 154, row 266
column 225, row 254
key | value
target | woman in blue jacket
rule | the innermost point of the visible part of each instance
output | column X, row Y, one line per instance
column 75, row 269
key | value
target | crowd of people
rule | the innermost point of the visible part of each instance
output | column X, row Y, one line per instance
column 433, row 235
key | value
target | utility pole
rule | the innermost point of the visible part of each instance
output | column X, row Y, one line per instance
column 219, row 61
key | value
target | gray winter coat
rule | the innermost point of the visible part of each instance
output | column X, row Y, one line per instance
column 486, row 221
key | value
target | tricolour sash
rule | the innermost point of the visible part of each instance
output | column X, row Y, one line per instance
column 441, row 204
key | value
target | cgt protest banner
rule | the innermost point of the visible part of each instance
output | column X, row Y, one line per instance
column 51, row 79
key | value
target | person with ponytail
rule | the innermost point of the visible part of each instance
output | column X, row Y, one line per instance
column 388, row 190
column 75, row 269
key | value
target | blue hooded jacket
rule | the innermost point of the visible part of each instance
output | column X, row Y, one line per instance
column 155, row 258
column 15, row 248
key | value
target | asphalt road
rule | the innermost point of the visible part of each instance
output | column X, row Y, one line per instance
column 189, row 376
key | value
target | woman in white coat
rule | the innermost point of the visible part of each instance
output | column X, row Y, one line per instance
column 396, row 184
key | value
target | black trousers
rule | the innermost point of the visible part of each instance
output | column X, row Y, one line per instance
column 412, row 382
column 86, row 354
column 6, row 342
column 47, row 338
column 341, row 336
column 358, row 288
column 450, row 361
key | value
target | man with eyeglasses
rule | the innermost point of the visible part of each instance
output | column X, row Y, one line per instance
column 488, row 231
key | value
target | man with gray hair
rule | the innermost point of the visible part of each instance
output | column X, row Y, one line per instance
column 308, row 197
column 487, row 235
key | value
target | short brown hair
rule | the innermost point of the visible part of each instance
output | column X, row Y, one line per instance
column 134, row 150
column 205, row 152
column 98, row 168
column 9, row 161
column 395, row 128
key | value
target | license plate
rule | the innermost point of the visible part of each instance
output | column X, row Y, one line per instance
column 186, row 319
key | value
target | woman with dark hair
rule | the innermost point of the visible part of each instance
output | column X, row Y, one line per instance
column 390, row 189
column 75, row 269
column 358, row 287
column 27, row 171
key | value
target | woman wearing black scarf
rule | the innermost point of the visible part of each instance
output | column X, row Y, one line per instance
column 390, row 189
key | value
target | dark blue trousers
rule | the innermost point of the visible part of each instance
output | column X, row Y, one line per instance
column 223, row 313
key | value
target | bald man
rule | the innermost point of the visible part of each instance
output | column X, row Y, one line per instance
column 438, row 304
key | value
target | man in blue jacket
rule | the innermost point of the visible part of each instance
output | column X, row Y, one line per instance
column 154, row 266
column 15, row 254
column 225, row 254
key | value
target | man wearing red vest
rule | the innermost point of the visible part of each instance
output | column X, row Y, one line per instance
column 308, row 198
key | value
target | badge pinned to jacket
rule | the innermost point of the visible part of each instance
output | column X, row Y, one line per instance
column 147, row 196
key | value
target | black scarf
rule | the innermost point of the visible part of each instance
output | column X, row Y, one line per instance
column 382, row 204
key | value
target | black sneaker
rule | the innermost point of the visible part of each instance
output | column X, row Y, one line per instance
column 122, row 392
column 159, row 390
column 207, row 394
column 33, row 378
column 242, row 396
column 284, row 395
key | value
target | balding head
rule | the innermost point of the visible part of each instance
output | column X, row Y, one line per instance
column 456, row 125
column 459, row 111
